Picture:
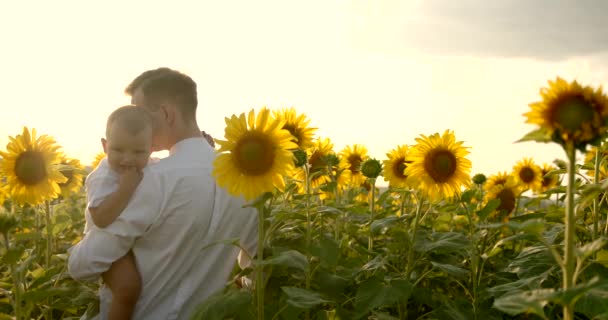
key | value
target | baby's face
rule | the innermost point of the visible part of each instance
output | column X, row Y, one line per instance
column 124, row 149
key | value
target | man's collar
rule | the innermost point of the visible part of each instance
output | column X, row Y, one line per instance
column 186, row 144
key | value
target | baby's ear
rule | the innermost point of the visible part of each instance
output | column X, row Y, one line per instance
column 104, row 142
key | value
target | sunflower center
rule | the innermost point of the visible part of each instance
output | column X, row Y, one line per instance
column 440, row 165
column 526, row 174
column 30, row 168
column 355, row 163
column 572, row 113
column 254, row 153
column 294, row 132
column 399, row 167
column 507, row 200
column 548, row 180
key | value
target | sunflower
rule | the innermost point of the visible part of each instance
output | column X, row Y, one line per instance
column 527, row 174
column 297, row 125
column 394, row 167
column 98, row 158
column 549, row 180
column 255, row 155
column 350, row 163
column 570, row 112
column 507, row 192
column 439, row 165
column 590, row 160
column 318, row 167
column 29, row 165
column 499, row 179
column 72, row 170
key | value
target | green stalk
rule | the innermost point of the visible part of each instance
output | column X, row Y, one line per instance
column 49, row 252
column 308, row 231
column 596, row 179
column 16, row 283
column 569, row 245
column 372, row 203
column 259, row 275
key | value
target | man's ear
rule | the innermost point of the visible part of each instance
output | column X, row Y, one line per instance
column 169, row 113
column 104, row 144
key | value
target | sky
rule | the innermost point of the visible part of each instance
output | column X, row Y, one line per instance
column 376, row 73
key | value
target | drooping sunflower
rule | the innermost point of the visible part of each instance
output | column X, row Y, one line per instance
column 439, row 165
column 507, row 192
column 351, row 158
column 549, row 180
column 73, row 171
column 570, row 112
column 30, row 167
column 97, row 160
column 255, row 155
column 318, row 167
column 527, row 174
column 297, row 125
column 394, row 167
column 499, row 179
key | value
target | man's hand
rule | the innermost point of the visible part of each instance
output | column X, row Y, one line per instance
column 209, row 138
column 130, row 178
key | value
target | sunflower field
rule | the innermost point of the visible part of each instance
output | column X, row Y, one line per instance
column 440, row 242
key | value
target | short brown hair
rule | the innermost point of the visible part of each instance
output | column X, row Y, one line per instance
column 167, row 84
column 133, row 118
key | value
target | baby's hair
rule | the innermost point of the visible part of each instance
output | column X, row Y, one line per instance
column 132, row 118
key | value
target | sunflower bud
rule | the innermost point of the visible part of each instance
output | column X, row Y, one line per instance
column 371, row 168
column 479, row 179
column 331, row 160
column 299, row 157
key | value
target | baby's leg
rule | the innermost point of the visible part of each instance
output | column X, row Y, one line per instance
column 125, row 283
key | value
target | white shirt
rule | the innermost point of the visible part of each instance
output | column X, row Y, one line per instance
column 99, row 184
column 176, row 211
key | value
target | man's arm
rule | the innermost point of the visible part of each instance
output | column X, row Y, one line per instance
column 96, row 252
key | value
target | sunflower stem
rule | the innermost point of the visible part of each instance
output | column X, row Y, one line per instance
column 308, row 231
column 410, row 249
column 596, row 178
column 49, row 250
column 372, row 204
column 569, row 259
column 259, row 269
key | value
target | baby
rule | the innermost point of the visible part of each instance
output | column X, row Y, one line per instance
column 128, row 145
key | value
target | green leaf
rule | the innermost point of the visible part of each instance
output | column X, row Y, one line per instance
column 590, row 248
column 442, row 242
column 230, row 305
column 383, row 224
column 538, row 135
column 488, row 208
column 289, row 258
column 450, row 269
column 303, row 298
column 525, row 302
column 374, row 293
column 13, row 255
column 328, row 252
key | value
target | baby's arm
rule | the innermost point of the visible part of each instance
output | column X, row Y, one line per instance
column 111, row 207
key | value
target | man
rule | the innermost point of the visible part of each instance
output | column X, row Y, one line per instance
column 176, row 216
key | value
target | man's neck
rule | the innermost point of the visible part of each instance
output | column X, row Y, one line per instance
column 186, row 132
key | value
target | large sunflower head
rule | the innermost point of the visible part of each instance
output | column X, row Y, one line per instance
column 527, row 174
column 570, row 112
column 297, row 125
column 394, row 167
column 351, row 158
column 255, row 155
column 319, row 169
column 73, row 171
column 507, row 192
column 30, row 167
column 439, row 165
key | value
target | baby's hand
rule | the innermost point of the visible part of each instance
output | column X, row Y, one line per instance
column 130, row 178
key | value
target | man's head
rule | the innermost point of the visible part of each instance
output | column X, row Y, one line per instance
column 128, row 141
column 171, row 97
